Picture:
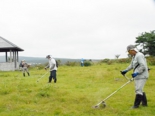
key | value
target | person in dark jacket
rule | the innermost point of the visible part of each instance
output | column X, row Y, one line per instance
column 20, row 66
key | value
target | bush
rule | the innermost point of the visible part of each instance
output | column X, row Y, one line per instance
column 105, row 60
column 124, row 60
column 151, row 60
column 87, row 63
column 109, row 62
column 72, row 63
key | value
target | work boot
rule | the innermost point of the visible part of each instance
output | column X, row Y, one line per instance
column 50, row 79
column 138, row 99
column 144, row 99
column 55, row 80
column 24, row 74
column 28, row 74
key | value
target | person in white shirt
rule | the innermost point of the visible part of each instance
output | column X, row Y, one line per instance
column 53, row 69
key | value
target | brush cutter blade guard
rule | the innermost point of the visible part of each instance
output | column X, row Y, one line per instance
column 95, row 107
column 103, row 105
column 100, row 105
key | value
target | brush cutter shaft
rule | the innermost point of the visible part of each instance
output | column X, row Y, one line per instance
column 114, row 92
column 117, row 90
column 130, row 79
column 42, row 76
column 126, row 77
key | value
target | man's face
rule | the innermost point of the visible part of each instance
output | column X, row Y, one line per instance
column 48, row 58
column 132, row 52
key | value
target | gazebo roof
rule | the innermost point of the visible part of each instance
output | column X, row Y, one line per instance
column 6, row 46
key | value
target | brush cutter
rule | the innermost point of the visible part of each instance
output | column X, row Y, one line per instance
column 42, row 76
column 102, row 103
column 127, row 77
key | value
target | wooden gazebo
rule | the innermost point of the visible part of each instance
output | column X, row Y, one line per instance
column 11, row 59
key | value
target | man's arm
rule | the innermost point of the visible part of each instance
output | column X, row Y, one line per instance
column 46, row 66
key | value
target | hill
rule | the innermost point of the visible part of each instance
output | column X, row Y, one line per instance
column 42, row 60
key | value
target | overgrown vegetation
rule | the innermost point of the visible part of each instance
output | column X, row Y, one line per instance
column 150, row 60
column 77, row 90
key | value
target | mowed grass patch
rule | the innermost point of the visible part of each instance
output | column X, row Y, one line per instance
column 74, row 94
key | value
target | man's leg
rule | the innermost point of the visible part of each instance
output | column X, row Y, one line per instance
column 50, row 77
column 54, row 76
column 144, row 99
column 27, row 72
column 23, row 72
column 139, row 85
column 137, row 101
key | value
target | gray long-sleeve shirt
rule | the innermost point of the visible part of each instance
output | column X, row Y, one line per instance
column 139, row 64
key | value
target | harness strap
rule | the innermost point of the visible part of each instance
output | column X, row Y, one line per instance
column 135, row 67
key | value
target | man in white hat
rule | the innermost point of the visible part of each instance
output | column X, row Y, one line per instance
column 53, row 68
column 140, row 74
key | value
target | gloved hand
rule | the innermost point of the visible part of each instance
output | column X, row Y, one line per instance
column 134, row 74
column 124, row 72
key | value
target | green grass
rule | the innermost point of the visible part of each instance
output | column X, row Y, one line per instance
column 74, row 94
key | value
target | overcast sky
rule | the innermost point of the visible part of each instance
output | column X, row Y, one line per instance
column 90, row 29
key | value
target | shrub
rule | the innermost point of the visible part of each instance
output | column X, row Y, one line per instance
column 151, row 60
column 109, row 62
column 105, row 60
column 72, row 63
column 124, row 60
column 87, row 63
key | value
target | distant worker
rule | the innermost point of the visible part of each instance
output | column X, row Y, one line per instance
column 20, row 66
column 53, row 68
column 82, row 62
column 25, row 67
column 140, row 74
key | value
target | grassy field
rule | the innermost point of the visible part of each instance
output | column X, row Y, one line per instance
column 74, row 94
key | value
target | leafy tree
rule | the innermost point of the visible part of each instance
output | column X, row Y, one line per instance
column 147, row 42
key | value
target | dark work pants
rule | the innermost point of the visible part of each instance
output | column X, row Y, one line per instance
column 52, row 75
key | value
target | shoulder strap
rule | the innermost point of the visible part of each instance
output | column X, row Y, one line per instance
column 135, row 67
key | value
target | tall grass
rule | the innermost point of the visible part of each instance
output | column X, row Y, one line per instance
column 74, row 94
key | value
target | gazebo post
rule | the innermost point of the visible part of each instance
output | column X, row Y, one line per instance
column 10, row 56
column 15, row 60
column 17, row 57
column 6, row 55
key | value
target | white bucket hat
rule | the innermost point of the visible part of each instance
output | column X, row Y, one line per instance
column 132, row 47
